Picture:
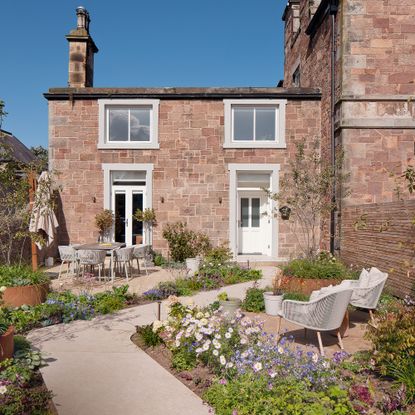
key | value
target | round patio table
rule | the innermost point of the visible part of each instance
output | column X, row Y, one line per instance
column 103, row 246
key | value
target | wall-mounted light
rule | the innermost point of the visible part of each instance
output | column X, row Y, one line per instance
column 94, row 199
column 162, row 199
column 285, row 212
column 220, row 200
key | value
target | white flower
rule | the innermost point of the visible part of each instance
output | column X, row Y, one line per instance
column 222, row 360
column 326, row 364
column 206, row 345
column 229, row 365
column 203, row 322
column 280, row 350
column 177, row 343
column 244, row 354
column 3, row 390
column 199, row 315
column 230, row 330
column 207, row 315
column 257, row 366
column 199, row 337
column 244, row 340
column 2, row 290
column 315, row 358
column 157, row 325
column 272, row 374
column 199, row 350
column 218, row 336
column 215, row 352
column 228, row 335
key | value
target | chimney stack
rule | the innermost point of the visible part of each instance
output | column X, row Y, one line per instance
column 81, row 52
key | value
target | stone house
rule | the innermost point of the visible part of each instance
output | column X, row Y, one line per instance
column 202, row 155
column 360, row 53
column 199, row 155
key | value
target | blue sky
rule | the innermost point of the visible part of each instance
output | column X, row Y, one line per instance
column 142, row 43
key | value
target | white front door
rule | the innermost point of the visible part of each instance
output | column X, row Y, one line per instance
column 254, row 225
column 125, row 201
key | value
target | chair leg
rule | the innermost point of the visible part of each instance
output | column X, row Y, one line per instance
column 60, row 269
column 372, row 319
column 320, row 343
column 340, row 340
column 305, row 332
column 126, row 269
column 99, row 272
column 138, row 267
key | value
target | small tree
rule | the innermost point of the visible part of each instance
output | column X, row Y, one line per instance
column 104, row 221
column 148, row 217
column 307, row 190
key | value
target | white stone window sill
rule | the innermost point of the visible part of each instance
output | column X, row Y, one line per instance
column 132, row 146
column 245, row 145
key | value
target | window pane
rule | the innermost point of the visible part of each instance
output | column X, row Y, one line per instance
column 265, row 124
column 243, row 124
column 118, row 124
column 137, row 226
column 140, row 124
column 119, row 217
column 255, row 212
column 244, row 212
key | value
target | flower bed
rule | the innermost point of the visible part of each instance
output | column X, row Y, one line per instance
column 238, row 369
column 22, row 390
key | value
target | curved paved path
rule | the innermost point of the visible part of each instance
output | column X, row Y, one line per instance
column 94, row 368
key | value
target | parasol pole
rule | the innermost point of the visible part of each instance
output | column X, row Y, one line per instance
column 32, row 190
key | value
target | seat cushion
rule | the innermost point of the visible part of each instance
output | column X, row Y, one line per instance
column 364, row 279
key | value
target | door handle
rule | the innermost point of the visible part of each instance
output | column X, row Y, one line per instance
column 126, row 221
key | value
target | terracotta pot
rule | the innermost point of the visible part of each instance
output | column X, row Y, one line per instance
column 306, row 285
column 138, row 239
column 25, row 294
column 7, row 344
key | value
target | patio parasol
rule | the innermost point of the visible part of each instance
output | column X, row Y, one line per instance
column 43, row 218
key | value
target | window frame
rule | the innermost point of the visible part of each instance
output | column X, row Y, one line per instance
column 103, row 123
column 278, row 104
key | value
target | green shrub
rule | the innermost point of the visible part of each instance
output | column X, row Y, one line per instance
column 183, row 360
column 247, row 395
column 185, row 243
column 319, row 268
column 149, row 337
column 254, row 300
column 158, row 259
column 393, row 337
column 19, row 275
column 404, row 373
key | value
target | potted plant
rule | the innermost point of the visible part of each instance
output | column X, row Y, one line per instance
column 229, row 305
column 198, row 247
column 6, row 331
column 23, row 286
column 104, row 222
column 273, row 299
column 148, row 217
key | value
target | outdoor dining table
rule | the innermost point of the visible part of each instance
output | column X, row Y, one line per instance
column 103, row 246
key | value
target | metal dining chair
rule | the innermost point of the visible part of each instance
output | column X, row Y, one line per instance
column 68, row 255
column 90, row 259
column 141, row 252
column 123, row 260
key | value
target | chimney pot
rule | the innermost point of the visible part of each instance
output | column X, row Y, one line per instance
column 82, row 18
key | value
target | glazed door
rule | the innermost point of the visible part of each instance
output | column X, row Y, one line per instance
column 125, row 201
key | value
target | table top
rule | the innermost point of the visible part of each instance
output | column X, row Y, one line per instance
column 101, row 246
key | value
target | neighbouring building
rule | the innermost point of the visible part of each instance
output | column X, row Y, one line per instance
column 15, row 148
column 203, row 155
column 361, row 53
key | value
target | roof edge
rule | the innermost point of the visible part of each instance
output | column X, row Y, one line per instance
column 181, row 93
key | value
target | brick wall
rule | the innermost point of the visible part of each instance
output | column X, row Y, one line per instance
column 382, row 235
column 190, row 168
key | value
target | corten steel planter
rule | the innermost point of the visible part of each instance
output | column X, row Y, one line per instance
column 7, row 344
column 306, row 285
column 25, row 294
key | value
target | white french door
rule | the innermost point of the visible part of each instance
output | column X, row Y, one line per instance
column 254, row 225
column 125, row 201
